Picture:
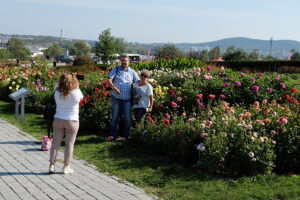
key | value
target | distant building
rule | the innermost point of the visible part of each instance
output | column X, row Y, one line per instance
column 2, row 45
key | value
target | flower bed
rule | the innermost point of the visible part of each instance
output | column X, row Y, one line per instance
column 229, row 122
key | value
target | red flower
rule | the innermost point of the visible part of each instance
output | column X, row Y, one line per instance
column 294, row 90
column 288, row 97
column 171, row 92
column 211, row 96
column 222, row 96
column 97, row 90
column 173, row 104
column 199, row 96
column 105, row 82
column 105, row 93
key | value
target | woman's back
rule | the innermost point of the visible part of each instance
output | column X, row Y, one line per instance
column 67, row 108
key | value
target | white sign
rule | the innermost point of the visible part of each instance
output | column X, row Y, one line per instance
column 19, row 94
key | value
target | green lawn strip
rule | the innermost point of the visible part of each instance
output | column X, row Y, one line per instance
column 160, row 176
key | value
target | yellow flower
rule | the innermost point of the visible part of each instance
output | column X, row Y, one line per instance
column 13, row 83
column 10, row 87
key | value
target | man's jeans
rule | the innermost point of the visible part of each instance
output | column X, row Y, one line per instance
column 120, row 107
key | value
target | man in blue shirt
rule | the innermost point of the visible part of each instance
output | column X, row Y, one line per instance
column 120, row 80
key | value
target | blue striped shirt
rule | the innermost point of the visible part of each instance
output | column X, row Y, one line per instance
column 122, row 79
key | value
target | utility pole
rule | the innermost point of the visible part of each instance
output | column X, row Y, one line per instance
column 271, row 45
column 61, row 32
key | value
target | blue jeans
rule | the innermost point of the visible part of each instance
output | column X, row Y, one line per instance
column 120, row 107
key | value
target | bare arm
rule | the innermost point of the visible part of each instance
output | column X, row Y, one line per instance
column 110, row 83
column 151, row 98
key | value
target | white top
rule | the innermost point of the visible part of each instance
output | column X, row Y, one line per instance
column 141, row 95
column 67, row 108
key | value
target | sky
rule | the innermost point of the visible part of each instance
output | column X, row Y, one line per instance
column 153, row 21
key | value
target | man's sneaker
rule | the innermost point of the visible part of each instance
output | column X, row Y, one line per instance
column 68, row 170
column 51, row 169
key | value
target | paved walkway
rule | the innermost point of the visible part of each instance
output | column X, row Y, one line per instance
column 24, row 174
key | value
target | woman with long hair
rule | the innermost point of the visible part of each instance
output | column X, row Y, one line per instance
column 66, row 120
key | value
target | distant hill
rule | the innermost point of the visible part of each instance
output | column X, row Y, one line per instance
column 280, row 48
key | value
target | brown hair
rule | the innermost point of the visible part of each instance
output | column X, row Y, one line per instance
column 67, row 83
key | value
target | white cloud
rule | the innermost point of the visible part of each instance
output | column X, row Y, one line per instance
column 148, row 8
column 2, row 9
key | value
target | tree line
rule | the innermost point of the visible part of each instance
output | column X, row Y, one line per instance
column 108, row 46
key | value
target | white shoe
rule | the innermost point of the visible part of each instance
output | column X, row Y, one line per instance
column 68, row 170
column 51, row 169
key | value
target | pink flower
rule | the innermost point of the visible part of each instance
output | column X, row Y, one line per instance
column 190, row 120
column 179, row 99
column 269, row 90
column 197, row 73
column 282, row 120
column 208, row 124
column 283, row 86
column 277, row 78
column 201, row 105
column 237, row 83
column 242, row 74
column 211, row 96
column 253, row 79
column 255, row 88
column 260, row 74
column 273, row 132
column 227, row 84
column 167, row 115
column 273, row 142
column 209, row 68
column 207, row 76
column 173, row 104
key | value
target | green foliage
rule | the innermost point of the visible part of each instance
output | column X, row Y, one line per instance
column 17, row 49
column 5, row 54
column 176, row 63
column 120, row 45
column 80, row 48
column 83, row 60
column 232, row 53
column 168, row 51
column 214, row 53
column 295, row 56
column 53, row 51
column 106, row 47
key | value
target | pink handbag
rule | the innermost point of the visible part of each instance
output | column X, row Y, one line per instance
column 46, row 143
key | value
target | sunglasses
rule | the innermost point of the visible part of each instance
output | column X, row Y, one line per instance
column 144, row 75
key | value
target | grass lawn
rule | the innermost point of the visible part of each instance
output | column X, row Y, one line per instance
column 160, row 176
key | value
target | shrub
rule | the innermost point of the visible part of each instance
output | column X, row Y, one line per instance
column 83, row 60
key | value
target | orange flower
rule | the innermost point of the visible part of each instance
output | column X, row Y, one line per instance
column 265, row 101
column 267, row 121
column 267, row 111
column 256, row 104
column 247, row 114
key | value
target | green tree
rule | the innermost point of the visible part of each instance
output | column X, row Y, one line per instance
column 199, row 55
column 295, row 56
column 168, row 51
column 254, row 55
column 53, row 51
column 214, row 53
column 80, row 48
column 120, row 45
column 234, row 54
column 106, row 47
column 17, row 49
column 5, row 54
